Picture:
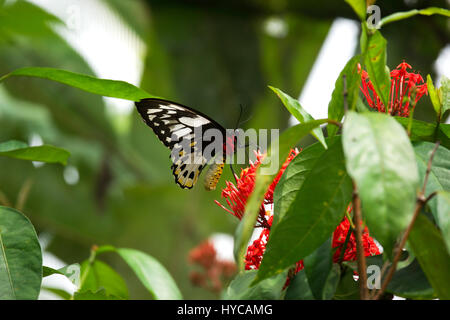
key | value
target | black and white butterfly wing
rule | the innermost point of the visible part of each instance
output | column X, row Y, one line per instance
column 177, row 125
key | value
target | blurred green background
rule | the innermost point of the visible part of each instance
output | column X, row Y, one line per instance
column 212, row 55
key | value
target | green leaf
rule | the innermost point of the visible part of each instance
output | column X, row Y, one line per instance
column 359, row 6
column 294, row 107
column 20, row 257
column 299, row 288
column 59, row 292
column 438, row 180
column 20, row 150
column 71, row 272
column 434, row 97
column 314, row 214
column 348, row 288
column 381, row 160
column 293, row 177
column 444, row 135
column 336, row 105
column 318, row 268
column 97, row 275
column 410, row 282
column 429, row 248
column 420, row 130
column 152, row 274
column 103, row 87
column 23, row 18
column 332, row 282
column 425, row 131
column 407, row 14
column 97, row 295
column 443, row 214
column 444, row 94
column 375, row 62
column 241, row 289
column 47, row 271
column 277, row 154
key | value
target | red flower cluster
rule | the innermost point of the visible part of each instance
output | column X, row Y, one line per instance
column 214, row 271
column 237, row 196
column 339, row 237
column 405, row 90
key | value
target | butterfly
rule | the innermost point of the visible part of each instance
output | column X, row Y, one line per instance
column 183, row 130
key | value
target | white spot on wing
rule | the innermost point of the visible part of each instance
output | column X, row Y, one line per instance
column 174, row 106
column 182, row 132
column 193, row 122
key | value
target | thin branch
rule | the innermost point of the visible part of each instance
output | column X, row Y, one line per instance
column 427, row 173
column 361, row 258
column 420, row 202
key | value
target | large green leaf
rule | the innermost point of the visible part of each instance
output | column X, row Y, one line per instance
column 278, row 152
column 348, row 288
column 410, row 282
column 429, row 248
column 420, row 130
column 241, row 289
column 97, row 275
column 319, row 270
column 314, row 214
column 20, row 150
column 443, row 214
column 103, row 87
column 20, row 257
column 293, row 177
column 381, row 160
column 294, row 107
column 425, row 131
column 438, row 180
column 375, row 62
column 336, row 105
column 299, row 288
column 151, row 273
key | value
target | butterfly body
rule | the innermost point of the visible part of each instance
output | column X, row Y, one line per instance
column 213, row 175
column 182, row 129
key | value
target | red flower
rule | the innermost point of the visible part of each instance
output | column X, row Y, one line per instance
column 214, row 271
column 339, row 237
column 237, row 195
column 405, row 90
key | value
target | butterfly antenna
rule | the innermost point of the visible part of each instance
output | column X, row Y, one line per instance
column 241, row 110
